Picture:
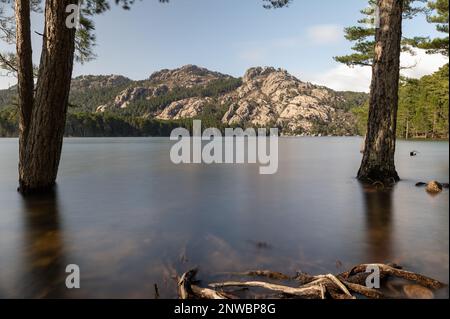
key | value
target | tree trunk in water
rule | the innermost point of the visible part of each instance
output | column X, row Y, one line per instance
column 378, row 160
column 24, row 73
column 39, row 164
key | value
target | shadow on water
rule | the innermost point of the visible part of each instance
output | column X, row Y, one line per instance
column 378, row 218
column 44, row 276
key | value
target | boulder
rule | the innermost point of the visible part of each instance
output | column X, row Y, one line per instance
column 434, row 187
column 417, row 292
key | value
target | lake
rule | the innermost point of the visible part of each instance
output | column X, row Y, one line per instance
column 130, row 219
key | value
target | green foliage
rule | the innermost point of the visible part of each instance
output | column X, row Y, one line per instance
column 423, row 107
column 9, row 126
column 362, row 117
column 347, row 101
column 363, row 34
column 87, row 101
column 113, row 125
column 439, row 16
column 275, row 4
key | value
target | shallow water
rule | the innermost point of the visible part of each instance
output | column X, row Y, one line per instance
column 131, row 219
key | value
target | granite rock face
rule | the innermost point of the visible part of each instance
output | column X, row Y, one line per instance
column 271, row 96
column 89, row 82
column 187, row 108
column 187, row 76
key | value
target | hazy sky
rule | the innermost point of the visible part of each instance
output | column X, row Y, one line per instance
column 232, row 35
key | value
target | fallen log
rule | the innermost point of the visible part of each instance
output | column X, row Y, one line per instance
column 307, row 292
column 262, row 273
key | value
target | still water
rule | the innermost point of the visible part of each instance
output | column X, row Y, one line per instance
column 131, row 219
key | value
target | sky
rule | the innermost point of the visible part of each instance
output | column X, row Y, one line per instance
column 231, row 36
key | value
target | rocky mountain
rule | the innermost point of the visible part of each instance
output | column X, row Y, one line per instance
column 269, row 96
column 161, row 83
column 263, row 97
column 266, row 97
column 95, row 82
column 187, row 76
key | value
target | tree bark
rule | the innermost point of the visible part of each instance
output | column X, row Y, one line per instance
column 378, row 160
column 24, row 73
column 42, row 152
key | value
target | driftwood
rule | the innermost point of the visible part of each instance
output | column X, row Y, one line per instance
column 205, row 293
column 400, row 273
column 305, row 286
column 185, row 283
column 262, row 273
column 363, row 290
column 187, row 290
column 307, row 292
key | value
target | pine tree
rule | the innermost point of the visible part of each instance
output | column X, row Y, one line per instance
column 383, row 54
column 378, row 159
column 438, row 14
column 43, row 108
column 363, row 34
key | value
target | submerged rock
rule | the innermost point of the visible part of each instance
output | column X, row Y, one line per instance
column 434, row 187
column 420, row 184
column 417, row 292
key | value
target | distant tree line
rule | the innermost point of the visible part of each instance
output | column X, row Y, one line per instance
column 423, row 107
column 86, row 124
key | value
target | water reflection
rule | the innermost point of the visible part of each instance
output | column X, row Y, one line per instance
column 44, row 254
column 131, row 219
column 378, row 209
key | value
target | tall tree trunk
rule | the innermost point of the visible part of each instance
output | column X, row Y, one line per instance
column 378, row 160
column 433, row 133
column 407, row 127
column 24, row 73
column 39, row 165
